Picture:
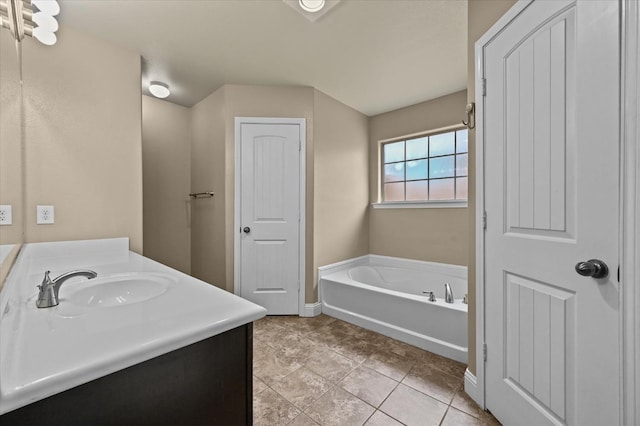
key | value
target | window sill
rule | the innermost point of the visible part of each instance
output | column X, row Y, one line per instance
column 421, row 205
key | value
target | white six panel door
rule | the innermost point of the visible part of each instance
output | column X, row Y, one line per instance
column 551, row 196
column 269, row 215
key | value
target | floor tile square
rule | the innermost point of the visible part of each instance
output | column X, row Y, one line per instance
column 405, row 350
column 381, row 419
column 446, row 365
column 269, row 408
column 258, row 385
column 340, row 408
column 357, row 350
column 274, row 365
column 390, row 364
column 305, row 325
column 368, row 385
column 329, row 336
column 463, row 402
column 331, row 365
column 433, row 382
column 302, row 387
column 303, row 420
column 458, row 418
column 412, row 407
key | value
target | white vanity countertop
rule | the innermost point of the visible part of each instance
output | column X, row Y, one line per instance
column 46, row 351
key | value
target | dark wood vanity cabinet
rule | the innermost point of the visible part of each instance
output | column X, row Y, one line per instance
column 206, row 383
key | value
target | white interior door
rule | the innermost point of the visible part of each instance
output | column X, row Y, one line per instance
column 269, row 214
column 551, row 197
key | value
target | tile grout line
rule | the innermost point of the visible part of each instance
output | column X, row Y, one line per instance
column 385, row 399
column 444, row 416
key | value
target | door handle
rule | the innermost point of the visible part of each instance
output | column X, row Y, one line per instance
column 592, row 268
column 246, row 229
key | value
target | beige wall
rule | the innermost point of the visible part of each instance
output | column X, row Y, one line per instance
column 11, row 136
column 436, row 235
column 82, row 115
column 336, row 225
column 208, row 173
column 166, row 177
column 341, row 184
column 481, row 15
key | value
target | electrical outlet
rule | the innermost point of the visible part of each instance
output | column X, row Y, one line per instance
column 6, row 218
column 44, row 215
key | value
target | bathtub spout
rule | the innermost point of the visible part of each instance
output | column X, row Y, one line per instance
column 448, row 294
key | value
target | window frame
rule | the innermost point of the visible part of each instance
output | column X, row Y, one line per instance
column 420, row 203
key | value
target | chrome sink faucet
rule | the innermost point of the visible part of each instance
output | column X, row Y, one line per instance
column 49, row 289
column 448, row 294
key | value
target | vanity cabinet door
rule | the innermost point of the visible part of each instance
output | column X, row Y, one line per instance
column 206, row 383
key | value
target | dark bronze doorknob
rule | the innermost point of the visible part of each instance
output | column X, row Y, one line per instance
column 592, row 268
column 246, row 230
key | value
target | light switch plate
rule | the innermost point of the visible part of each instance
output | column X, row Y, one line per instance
column 44, row 215
column 6, row 217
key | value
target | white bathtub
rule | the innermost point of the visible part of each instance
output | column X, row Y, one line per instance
column 385, row 295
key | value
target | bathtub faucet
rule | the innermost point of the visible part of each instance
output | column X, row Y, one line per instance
column 430, row 295
column 49, row 288
column 448, row 294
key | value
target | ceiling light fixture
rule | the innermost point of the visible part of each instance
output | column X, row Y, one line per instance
column 20, row 17
column 311, row 6
column 312, row 9
column 159, row 90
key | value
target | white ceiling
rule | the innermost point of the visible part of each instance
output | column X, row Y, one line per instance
column 373, row 55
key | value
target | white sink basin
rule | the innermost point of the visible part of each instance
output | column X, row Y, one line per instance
column 115, row 290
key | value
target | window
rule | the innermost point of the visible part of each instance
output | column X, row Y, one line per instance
column 427, row 168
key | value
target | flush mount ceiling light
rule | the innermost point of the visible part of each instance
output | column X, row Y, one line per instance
column 311, row 6
column 312, row 9
column 159, row 90
column 33, row 18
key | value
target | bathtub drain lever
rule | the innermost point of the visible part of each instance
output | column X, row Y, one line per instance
column 432, row 297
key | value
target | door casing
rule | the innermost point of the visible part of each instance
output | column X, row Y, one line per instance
column 629, row 232
column 239, row 121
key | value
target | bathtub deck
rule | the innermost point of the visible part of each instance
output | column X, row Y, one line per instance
column 321, row 370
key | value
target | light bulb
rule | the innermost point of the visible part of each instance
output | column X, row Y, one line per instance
column 159, row 90
column 44, row 36
column 49, row 7
column 311, row 5
column 46, row 22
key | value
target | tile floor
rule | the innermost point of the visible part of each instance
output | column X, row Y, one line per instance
column 323, row 371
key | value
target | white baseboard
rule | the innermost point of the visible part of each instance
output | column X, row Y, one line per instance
column 472, row 389
column 312, row 309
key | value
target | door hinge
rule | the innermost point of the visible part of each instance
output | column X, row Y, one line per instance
column 299, row 145
column 484, row 87
column 618, row 273
column 484, row 220
column 484, row 352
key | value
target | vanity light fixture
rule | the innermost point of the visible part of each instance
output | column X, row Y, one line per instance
column 34, row 18
column 311, row 6
column 159, row 90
